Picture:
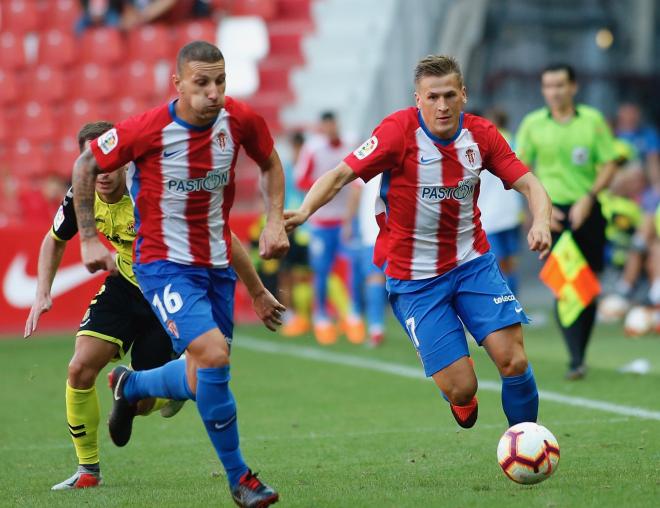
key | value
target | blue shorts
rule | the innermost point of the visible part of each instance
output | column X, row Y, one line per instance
column 433, row 311
column 189, row 300
column 505, row 243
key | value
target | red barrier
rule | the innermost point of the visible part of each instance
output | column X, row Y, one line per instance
column 73, row 287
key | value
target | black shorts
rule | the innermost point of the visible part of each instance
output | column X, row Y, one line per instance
column 590, row 237
column 120, row 314
column 298, row 253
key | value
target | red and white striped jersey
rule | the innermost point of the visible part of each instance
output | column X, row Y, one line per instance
column 181, row 179
column 427, row 207
column 318, row 156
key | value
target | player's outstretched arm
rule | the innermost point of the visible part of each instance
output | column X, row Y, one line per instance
column 50, row 257
column 323, row 190
column 273, row 242
column 94, row 254
column 538, row 238
column 264, row 303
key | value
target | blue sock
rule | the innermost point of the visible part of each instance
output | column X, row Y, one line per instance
column 520, row 398
column 376, row 298
column 168, row 382
column 217, row 408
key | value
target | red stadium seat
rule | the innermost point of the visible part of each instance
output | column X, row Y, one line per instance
column 102, row 46
column 12, row 53
column 4, row 132
column 298, row 10
column 36, row 122
column 273, row 78
column 72, row 115
column 138, row 79
column 286, row 46
column 9, row 87
column 263, row 8
column 46, row 84
column 26, row 158
column 63, row 14
column 121, row 108
column 57, row 47
column 19, row 16
column 149, row 43
column 92, row 82
column 194, row 30
column 64, row 154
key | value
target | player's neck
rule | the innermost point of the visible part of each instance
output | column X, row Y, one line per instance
column 112, row 197
column 189, row 116
column 563, row 114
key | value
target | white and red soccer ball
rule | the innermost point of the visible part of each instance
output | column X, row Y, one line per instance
column 528, row 453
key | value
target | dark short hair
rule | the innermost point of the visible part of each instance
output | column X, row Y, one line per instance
column 197, row 51
column 327, row 115
column 560, row 66
column 92, row 130
column 297, row 138
column 437, row 65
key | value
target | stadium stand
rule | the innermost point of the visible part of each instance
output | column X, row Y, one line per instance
column 54, row 80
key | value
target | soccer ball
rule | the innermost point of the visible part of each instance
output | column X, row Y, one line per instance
column 612, row 308
column 638, row 322
column 528, row 453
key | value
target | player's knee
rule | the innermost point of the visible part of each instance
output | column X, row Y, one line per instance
column 461, row 395
column 516, row 365
column 211, row 358
column 81, row 375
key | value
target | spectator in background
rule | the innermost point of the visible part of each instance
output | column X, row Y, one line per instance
column 40, row 201
column 99, row 13
column 319, row 155
column 142, row 12
column 643, row 137
column 294, row 291
column 501, row 224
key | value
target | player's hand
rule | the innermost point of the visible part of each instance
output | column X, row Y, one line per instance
column 268, row 309
column 293, row 219
column 273, row 242
column 580, row 211
column 556, row 220
column 540, row 239
column 96, row 257
column 42, row 304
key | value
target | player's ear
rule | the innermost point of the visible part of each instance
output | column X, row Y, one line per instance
column 176, row 81
column 417, row 99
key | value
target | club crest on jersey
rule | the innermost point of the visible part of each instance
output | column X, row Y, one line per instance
column 171, row 326
column 130, row 227
column 222, row 140
column 471, row 158
column 367, row 147
column 580, row 155
column 108, row 142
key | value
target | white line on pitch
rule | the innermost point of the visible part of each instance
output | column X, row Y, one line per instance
column 359, row 362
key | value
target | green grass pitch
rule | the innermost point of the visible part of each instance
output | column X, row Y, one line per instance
column 335, row 435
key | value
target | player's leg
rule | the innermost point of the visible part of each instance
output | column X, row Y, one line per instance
column 428, row 316
column 590, row 238
column 323, row 247
column 195, row 297
column 520, row 397
column 152, row 348
column 82, row 408
column 493, row 316
column 353, row 322
column 99, row 340
column 375, row 296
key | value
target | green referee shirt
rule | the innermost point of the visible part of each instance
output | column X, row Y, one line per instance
column 565, row 156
